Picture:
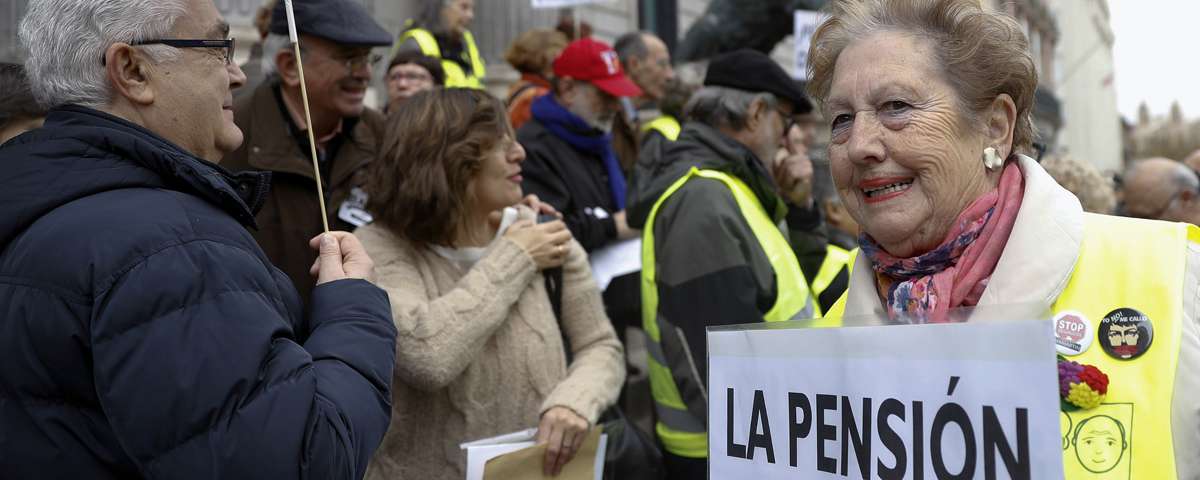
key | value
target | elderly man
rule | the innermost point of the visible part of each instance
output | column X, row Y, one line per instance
column 569, row 161
column 1161, row 189
column 143, row 333
column 647, row 61
column 336, row 37
column 716, row 237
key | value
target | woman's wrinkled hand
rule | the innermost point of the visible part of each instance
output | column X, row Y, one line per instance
column 563, row 432
column 547, row 243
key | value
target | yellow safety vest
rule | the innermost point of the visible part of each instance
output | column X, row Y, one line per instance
column 456, row 77
column 1137, row 264
column 836, row 260
column 666, row 125
column 681, row 432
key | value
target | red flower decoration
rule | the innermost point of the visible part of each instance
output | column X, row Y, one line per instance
column 1094, row 378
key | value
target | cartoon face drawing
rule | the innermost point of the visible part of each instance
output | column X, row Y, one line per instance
column 1123, row 339
column 1099, row 443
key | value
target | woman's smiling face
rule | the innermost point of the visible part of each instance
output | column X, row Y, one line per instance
column 905, row 154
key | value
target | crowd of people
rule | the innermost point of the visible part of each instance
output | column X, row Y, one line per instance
column 172, row 304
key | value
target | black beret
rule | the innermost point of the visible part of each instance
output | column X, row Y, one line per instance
column 753, row 71
column 341, row 21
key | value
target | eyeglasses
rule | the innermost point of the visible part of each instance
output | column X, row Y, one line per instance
column 410, row 76
column 357, row 62
column 789, row 121
column 227, row 44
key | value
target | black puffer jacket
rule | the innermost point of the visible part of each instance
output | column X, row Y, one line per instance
column 143, row 333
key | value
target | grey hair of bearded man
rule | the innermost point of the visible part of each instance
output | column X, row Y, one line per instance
column 723, row 107
column 67, row 39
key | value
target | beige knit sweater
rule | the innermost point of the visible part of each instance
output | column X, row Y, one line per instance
column 479, row 353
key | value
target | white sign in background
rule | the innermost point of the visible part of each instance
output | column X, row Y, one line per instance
column 979, row 400
column 806, row 24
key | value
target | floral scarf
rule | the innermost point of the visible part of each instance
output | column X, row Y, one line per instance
column 924, row 288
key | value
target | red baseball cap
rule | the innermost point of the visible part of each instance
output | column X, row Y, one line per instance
column 595, row 62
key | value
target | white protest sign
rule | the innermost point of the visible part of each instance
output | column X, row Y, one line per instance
column 893, row 402
column 561, row 3
column 806, row 25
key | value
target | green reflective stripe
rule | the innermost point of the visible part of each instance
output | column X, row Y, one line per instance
column 456, row 77
column 667, row 125
column 662, row 386
column 836, row 258
column 683, row 444
column 679, row 420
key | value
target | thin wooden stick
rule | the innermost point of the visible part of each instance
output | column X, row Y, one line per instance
column 312, row 141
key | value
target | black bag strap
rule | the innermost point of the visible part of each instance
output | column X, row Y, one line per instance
column 517, row 94
column 554, row 286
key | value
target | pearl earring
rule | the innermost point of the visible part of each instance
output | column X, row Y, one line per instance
column 991, row 159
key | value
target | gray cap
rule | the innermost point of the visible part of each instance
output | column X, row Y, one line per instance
column 341, row 21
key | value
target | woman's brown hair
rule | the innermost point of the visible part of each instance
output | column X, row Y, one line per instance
column 434, row 145
column 982, row 53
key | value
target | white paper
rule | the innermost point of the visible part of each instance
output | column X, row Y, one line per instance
column 806, row 23
column 1008, row 367
column 480, row 451
column 616, row 259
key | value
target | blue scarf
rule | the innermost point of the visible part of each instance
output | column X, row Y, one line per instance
column 567, row 126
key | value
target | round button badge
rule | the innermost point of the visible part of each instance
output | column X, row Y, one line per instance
column 1125, row 333
column 1073, row 333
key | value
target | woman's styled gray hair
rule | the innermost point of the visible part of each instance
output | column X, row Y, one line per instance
column 724, row 107
column 982, row 53
column 66, row 41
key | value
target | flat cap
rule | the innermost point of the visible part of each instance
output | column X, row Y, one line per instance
column 340, row 21
column 753, row 71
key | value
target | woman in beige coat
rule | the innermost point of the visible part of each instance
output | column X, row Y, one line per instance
column 480, row 351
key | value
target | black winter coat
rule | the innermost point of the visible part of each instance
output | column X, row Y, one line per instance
column 143, row 333
column 574, row 182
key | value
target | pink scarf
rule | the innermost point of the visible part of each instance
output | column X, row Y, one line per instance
column 924, row 288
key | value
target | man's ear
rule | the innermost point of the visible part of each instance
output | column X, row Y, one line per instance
column 566, row 88
column 756, row 113
column 285, row 66
column 1001, row 117
column 129, row 71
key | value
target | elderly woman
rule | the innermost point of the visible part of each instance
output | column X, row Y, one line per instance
column 480, row 351
column 440, row 31
column 928, row 104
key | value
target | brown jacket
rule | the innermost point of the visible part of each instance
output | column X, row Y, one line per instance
column 292, row 215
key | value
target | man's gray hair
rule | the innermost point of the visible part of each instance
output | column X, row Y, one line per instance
column 66, row 41
column 723, row 107
column 272, row 45
column 1185, row 178
column 631, row 45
